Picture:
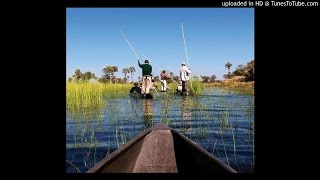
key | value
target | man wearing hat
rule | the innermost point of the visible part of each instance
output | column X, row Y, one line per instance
column 146, row 77
column 185, row 77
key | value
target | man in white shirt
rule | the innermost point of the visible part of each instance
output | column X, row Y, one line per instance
column 185, row 77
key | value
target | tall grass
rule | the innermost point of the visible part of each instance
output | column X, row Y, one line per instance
column 84, row 95
column 91, row 95
column 85, row 98
column 173, row 87
column 116, row 90
column 195, row 86
column 85, row 103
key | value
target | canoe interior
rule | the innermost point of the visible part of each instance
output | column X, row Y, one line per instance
column 161, row 150
column 191, row 158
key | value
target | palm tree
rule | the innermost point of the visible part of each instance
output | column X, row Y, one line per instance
column 132, row 70
column 228, row 65
column 125, row 71
column 109, row 70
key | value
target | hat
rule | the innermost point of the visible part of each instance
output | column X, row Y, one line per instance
column 146, row 61
column 183, row 63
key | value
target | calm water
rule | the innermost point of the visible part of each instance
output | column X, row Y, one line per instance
column 221, row 122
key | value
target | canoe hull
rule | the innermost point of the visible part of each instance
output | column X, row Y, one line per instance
column 161, row 149
column 148, row 96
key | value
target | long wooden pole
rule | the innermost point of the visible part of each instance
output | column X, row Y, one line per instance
column 150, row 59
column 130, row 45
column 185, row 48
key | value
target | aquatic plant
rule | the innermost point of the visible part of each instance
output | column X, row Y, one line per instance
column 75, row 167
column 196, row 86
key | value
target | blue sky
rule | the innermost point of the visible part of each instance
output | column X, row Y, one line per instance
column 213, row 37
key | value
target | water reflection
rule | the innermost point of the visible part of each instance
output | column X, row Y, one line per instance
column 186, row 114
column 164, row 109
column 147, row 108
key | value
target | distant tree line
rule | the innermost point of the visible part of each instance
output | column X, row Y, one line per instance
column 108, row 74
column 245, row 70
column 207, row 79
column 242, row 70
column 82, row 77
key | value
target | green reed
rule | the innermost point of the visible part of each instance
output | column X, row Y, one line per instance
column 122, row 135
column 196, row 86
column 173, row 87
column 224, row 122
column 234, row 143
column 224, row 146
column 85, row 103
column 75, row 167
column 164, row 111
column 82, row 95
column 116, row 90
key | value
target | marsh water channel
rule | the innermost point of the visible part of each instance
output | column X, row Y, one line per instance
column 220, row 121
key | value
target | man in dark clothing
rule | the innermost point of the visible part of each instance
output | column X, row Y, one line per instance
column 136, row 89
column 146, row 68
column 146, row 77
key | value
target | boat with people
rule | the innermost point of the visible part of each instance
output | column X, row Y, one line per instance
column 135, row 92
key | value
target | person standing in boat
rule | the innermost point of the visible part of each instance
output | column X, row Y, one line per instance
column 146, row 77
column 184, row 77
column 164, row 77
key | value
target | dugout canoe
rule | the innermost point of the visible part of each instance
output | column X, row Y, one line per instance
column 161, row 149
column 148, row 96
